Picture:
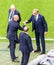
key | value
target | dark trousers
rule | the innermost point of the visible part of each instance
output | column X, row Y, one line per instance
column 40, row 35
column 25, row 58
column 16, row 41
column 12, row 49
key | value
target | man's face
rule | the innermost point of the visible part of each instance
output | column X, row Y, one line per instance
column 16, row 17
column 35, row 12
column 12, row 9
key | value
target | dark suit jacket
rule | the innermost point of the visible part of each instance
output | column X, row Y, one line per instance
column 12, row 30
column 39, row 25
column 15, row 13
column 25, row 42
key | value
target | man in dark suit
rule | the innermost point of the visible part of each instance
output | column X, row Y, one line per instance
column 12, row 12
column 12, row 35
column 25, row 46
column 40, row 26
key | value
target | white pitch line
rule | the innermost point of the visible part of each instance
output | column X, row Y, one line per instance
column 50, row 39
column 3, row 38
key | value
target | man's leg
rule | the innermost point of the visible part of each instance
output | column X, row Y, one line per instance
column 22, row 58
column 25, row 58
column 37, row 41
column 12, row 49
column 42, row 42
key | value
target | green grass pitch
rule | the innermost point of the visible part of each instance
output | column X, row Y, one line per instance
column 5, row 54
column 25, row 7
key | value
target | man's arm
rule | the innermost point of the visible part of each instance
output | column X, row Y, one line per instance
column 7, row 28
column 8, row 14
column 17, row 13
column 45, row 25
column 19, row 16
column 19, row 27
column 28, row 21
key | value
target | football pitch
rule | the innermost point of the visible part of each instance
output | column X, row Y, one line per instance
column 25, row 7
column 5, row 54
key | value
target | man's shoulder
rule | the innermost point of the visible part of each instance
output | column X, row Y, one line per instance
column 24, row 34
column 32, row 15
column 9, row 10
column 21, row 32
column 9, row 22
column 41, row 15
column 12, row 23
column 27, row 35
column 16, row 11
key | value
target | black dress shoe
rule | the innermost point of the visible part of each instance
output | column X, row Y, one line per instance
column 8, row 46
column 15, row 60
column 16, row 57
column 37, row 51
column 43, row 53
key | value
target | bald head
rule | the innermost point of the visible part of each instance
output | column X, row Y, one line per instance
column 26, row 29
column 35, row 12
column 12, row 7
column 16, row 17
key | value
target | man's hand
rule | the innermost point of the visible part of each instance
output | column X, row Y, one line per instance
column 45, row 33
column 25, row 22
column 33, row 51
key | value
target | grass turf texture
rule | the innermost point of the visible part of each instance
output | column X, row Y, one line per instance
column 25, row 8
column 5, row 55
